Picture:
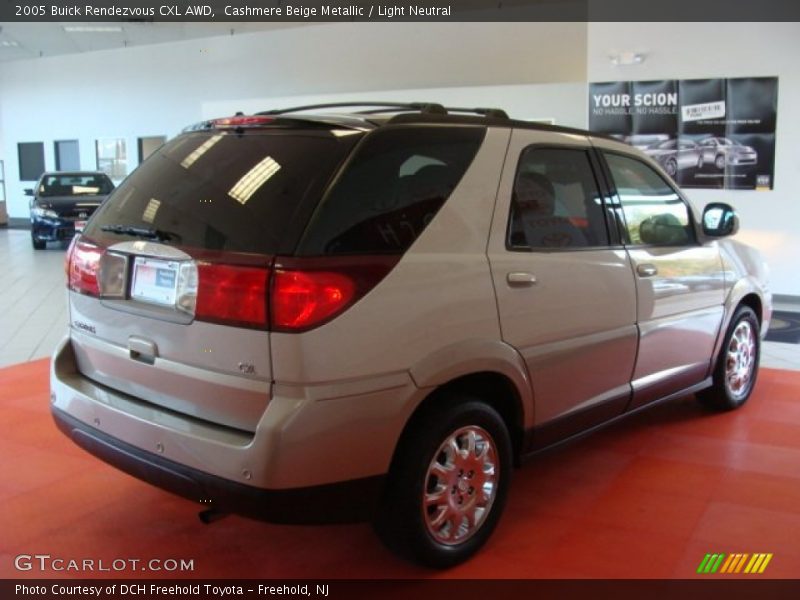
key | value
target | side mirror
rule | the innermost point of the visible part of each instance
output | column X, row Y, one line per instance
column 719, row 220
column 28, row 191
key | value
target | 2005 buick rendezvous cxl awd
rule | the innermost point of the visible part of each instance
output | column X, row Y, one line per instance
column 376, row 314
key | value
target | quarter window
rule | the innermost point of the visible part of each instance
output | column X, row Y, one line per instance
column 555, row 203
column 654, row 213
column 390, row 190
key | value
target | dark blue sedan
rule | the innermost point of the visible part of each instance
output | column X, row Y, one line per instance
column 62, row 203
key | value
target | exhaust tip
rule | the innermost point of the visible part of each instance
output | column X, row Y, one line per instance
column 210, row 515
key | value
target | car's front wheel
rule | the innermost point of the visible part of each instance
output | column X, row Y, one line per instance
column 448, row 483
column 37, row 243
column 719, row 162
column 737, row 366
column 671, row 167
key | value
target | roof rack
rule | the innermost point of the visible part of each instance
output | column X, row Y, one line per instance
column 426, row 108
column 423, row 107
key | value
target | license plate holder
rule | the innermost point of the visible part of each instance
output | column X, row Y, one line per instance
column 80, row 226
column 155, row 281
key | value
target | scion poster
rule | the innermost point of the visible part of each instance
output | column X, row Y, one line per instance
column 706, row 133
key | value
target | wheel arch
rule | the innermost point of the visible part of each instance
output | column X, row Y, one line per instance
column 491, row 387
column 744, row 293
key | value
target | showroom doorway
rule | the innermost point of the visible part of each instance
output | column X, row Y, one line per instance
column 3, row 211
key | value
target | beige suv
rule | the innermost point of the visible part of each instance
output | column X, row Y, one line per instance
column 376, row 315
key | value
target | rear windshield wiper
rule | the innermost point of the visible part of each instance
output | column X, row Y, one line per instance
column 142, row 232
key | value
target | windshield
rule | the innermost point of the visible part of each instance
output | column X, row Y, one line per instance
column 76, row 184
column 226, row 190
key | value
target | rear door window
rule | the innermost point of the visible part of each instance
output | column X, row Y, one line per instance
column 390, row 190
column 227, row 191
column 556, row 203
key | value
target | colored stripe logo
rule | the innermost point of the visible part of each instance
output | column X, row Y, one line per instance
column 734, row 563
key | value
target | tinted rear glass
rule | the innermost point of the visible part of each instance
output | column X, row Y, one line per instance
column 390, row 190
column 227, row 191
column 76, row 184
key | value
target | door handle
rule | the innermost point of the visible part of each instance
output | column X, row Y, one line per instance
column 142, row 350
column 646, row 270
column 520, row 279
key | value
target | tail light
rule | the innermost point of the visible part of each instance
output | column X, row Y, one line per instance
column 301, row 300
column 232, row 294
column 296, row 295
column 84, row 267
column 308, row 292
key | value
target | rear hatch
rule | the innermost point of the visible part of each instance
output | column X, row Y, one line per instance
column 168, row 283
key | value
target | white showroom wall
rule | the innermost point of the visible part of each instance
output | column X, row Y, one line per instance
column 158, row 89
column 535, row 70
column 770, row 219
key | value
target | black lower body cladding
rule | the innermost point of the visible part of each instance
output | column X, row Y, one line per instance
column 345, row 502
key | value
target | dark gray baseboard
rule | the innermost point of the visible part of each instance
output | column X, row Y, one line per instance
column 18, row 223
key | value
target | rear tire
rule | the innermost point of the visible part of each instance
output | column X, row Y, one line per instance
column 737, row 366
column 448, row 483
column 38, row 244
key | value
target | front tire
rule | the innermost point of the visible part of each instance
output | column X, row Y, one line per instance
column 737, row 366
column 719, row 162
column 38, row 244
column 448, row 483
column 671, row 167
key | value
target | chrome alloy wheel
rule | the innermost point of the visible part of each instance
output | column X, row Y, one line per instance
column 740, row 361
column 460, row 485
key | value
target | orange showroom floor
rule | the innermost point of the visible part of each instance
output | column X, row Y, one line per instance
column 645, row 498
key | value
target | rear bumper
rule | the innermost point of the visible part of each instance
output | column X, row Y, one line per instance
column 316, row 455
column 349, row 501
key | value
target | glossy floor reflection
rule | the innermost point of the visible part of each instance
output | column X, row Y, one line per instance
column 648, row 497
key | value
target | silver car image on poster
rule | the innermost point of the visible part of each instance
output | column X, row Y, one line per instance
column 674, row 155
column 723, row 151
column 705, row 133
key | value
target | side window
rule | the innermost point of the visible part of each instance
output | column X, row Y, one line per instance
column 654, row 214
column 392, row 188
column 555, row 203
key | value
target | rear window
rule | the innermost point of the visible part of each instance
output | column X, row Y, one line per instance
column 230, row 191
column 76, row 184
column 390, row 190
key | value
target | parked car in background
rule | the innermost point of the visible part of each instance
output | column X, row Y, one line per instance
column 62, row 202
column 673, row 155
column 312, row 317
column 724, row 151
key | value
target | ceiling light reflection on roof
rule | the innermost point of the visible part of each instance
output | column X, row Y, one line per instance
column 149, row 214
column 200, row 150
column 344, row 132
column 251, row 181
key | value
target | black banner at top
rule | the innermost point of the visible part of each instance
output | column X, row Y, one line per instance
column 414, row 10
